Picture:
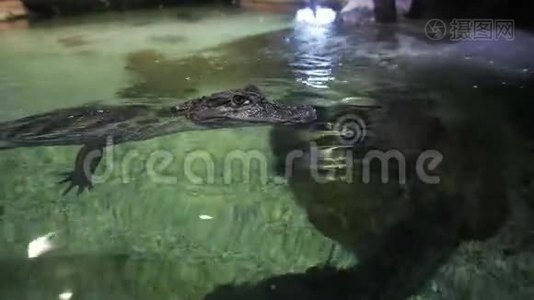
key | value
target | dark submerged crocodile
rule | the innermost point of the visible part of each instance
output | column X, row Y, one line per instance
column 95, row 127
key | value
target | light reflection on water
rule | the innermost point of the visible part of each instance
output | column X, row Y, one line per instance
column 314, row 61
column 321, row 16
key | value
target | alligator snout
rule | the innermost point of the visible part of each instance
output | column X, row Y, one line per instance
column 301, row 114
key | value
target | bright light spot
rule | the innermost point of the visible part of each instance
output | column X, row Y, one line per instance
column 205, row 217
column 323, row 16
column 66, row 295
column 41, row 245
column 357, row 4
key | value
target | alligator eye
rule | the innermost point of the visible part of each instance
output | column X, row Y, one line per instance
column 239, row 100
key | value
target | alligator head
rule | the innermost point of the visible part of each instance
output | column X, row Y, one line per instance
column 246, row 105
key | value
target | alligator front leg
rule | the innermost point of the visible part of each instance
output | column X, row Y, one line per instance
column 85, row 165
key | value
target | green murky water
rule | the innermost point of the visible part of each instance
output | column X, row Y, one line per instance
column 133, row 234
column 139, row 235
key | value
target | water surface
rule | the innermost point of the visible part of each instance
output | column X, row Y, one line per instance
column 136, row 236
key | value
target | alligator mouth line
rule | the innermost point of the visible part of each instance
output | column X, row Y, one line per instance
column 247, row 105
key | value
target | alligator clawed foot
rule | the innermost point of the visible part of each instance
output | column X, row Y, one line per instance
column 76, row 179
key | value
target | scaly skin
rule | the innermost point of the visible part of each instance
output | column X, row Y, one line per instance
column 93, row 126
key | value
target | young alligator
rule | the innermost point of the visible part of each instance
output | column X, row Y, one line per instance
column 94, row 127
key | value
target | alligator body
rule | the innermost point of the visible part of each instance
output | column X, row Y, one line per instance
column 94, row 127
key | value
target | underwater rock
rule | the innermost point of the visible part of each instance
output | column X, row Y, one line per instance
column 156, row 74
column 168, row 39
column 401, row 232
column 73, row 41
